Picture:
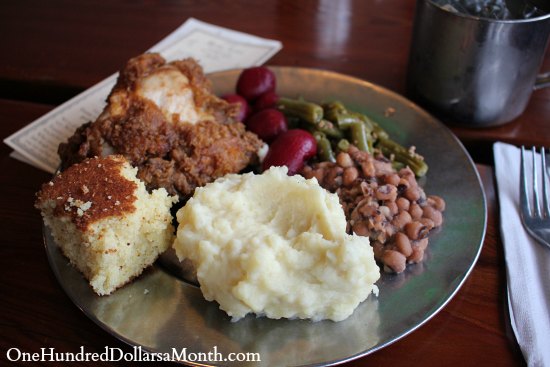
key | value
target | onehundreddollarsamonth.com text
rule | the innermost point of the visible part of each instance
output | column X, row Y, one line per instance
column 137, row 354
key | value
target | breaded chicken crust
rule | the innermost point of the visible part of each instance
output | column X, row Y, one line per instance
column 164, row 118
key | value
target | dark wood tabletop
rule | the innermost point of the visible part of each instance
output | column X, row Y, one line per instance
column 53, row 50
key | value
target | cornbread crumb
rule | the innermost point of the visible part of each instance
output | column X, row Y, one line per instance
column 104, row 220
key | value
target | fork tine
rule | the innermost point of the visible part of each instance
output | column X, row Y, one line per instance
column 535, row 224
column 544, row 179
column 523, row 198
column 536, row 205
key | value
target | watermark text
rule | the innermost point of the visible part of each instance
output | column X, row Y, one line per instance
column 137, row 354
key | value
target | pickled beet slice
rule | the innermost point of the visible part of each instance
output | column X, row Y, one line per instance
column 267, row 124
column 245, row 109
column 255, row 81
column 292, row 149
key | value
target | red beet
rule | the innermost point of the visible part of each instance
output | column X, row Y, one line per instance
column 245, row 109
column 266, row 100
column 291, row 149
column 267, row 124
column 254, row 82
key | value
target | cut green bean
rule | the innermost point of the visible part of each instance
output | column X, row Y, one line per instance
column 331, row 110
column 373, row 126
column 324, row 149
column 399, row 153
column 337, row 113
column 359, row 137
column 328, row 128
column 333, row 125
column 343, row 145
column 307, row 111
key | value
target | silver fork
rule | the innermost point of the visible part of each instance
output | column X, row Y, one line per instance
column 536, row 221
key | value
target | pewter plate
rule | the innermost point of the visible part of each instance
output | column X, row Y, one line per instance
column 160, row 312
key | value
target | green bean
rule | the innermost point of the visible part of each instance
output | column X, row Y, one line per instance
column 311, row 113
column 343, row 145
column 307, row 111
column 401, row 154
column 332, row 108
column 379, row 131
column 345, row 119
column 359, row 137
column 337, row 113
column 324, row 149
column 375, row 128
column 360, row 132
column 333, row 124
column 328, row 128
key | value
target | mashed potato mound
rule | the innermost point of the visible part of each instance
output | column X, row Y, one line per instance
column 275, row 245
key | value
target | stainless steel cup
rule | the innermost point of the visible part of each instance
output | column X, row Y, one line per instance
column 474, row 71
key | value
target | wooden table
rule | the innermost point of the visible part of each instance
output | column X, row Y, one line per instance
column 52, row 51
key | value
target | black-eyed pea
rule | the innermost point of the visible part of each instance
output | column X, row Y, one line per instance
column 412, row 178
column 435, row 215
column 355, row 215
column 378, row 249
column 333, row 173
column 403, row 244
column 403, row 203
column 428, row 223
column 403, row 183
column 325, row 164
column 365, row 189
column 344, row 160
column 382, row 168
column 395, row 260
column 385, row 211
column 401, row 219
column 368, row 168
column 436, row 202
column 379, row 221
column 408, row 174
column 319, row 174
column 390, row 230
column 423, row 243
column 350, row 175
column 373, row 185
column 416, row 230
column 386, row 192
column 416, row 256
column 415, row 211
column 368, row 209
column 392, row 179
column 394, row 209
column 380, row 235
column 412, row 193
column 360, row 228
column 307, row 172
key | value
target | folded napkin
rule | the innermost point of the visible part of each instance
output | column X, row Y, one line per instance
column 527, row 263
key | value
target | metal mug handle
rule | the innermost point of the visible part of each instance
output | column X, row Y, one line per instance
column 542, row 81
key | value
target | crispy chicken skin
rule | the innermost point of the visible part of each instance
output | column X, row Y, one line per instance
column 165, row 120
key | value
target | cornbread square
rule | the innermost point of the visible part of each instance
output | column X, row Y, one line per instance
column 104, row 220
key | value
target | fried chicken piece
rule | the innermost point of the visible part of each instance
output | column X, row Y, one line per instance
column 165, row 120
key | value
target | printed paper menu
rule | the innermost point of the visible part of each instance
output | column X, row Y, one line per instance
column 215, row 48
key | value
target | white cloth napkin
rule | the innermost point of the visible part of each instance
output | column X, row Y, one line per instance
column 527, row 262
